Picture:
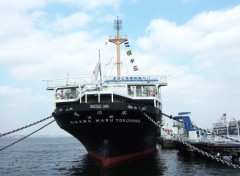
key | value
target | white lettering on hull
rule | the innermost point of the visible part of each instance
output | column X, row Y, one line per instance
column 106, row 121
column 99, row 106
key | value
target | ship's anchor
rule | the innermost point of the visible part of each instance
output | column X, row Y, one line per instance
column 191, row 146
column 27, row 126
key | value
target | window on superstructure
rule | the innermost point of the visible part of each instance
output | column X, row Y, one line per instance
column 150, row 90
column 106, row 98
column 92, row 98
column 142, row 91
column 66, row 93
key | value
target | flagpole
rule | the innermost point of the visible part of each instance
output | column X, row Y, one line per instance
column 99, row 55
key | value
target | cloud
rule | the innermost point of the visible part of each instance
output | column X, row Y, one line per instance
column 58, row 56
column 13, row 5
column 13, row 25
column 30, row 52
column 35, row 42
column 17, row 18
column 74, row 21
column 204, row 40
column 93, row 4
column 202, row 56
column 20, row 96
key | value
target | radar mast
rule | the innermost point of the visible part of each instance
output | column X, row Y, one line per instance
column 118, row 40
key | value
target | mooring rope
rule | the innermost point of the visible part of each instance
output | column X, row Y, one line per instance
column 27, row 126
column 203, row 152
column 26, row 136
column 191, row 146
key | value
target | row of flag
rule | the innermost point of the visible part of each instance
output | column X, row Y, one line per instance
column 129, row 53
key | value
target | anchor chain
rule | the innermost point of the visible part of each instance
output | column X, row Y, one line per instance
column 27, row 126
column 201, row 129
column 26, row 136
column 191, row 146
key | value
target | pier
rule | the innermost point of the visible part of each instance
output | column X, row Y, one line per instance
column 218, row 149
column 190, row 140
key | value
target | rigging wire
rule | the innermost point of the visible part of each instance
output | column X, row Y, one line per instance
column 125, row 62
column 111, row 53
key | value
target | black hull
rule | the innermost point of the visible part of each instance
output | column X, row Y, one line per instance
column 111, row 132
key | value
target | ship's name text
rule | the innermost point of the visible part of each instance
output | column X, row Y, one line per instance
column 105, row 121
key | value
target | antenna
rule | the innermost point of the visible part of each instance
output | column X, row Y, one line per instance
column 118, row 26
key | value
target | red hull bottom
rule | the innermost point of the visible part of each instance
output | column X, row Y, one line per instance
column 106, row 162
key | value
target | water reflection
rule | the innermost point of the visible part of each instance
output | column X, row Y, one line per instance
column 145, row 166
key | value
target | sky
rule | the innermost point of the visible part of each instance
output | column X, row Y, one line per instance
column 196, row 43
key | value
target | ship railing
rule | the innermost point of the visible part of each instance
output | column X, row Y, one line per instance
column 68, row 82
column 139, row 91
column 220, row 125
column 233, row 123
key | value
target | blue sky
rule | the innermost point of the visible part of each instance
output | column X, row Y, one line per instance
column 196, row 42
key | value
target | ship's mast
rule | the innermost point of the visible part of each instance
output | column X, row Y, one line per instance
column 118, row 41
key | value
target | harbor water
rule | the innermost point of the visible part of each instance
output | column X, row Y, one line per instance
column 66, row 156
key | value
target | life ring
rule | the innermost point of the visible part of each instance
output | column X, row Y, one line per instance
column 58, row 96
column 152, row 92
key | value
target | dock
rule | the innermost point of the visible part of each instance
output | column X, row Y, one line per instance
column 166, row 140
column 218, row 149
column 210, row 143
column 168, row 143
